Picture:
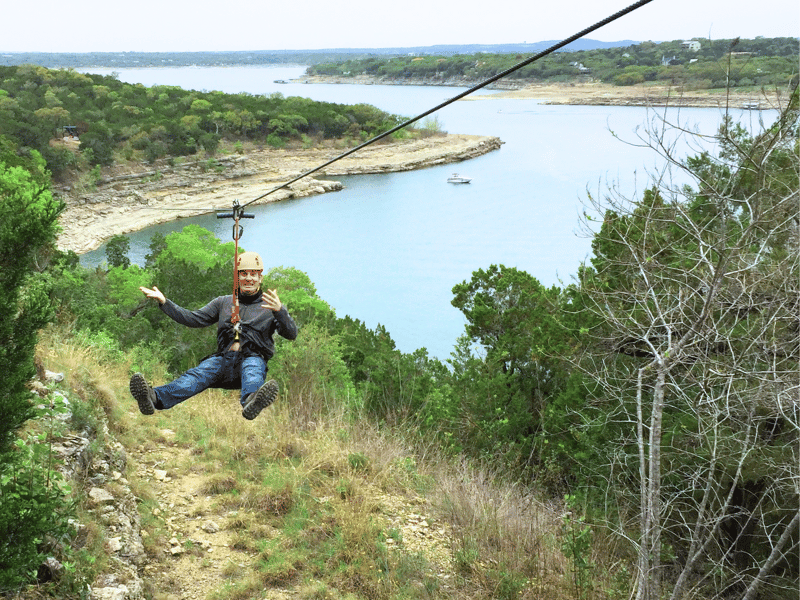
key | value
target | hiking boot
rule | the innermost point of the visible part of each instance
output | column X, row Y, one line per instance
column 261, row 399
column 143, row 394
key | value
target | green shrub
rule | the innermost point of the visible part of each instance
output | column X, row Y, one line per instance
column 32, row 511
column 275, row 141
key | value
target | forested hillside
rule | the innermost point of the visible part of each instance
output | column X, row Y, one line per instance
column 710, row 64
column 117, row 121
column 654, row 401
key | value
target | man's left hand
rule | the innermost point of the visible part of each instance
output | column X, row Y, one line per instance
column 271, row 300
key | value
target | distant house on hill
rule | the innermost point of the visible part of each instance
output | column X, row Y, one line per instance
column 583, row 70
column 70, row 131
column 691, row 45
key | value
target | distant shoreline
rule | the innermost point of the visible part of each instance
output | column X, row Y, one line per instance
column 591, row 93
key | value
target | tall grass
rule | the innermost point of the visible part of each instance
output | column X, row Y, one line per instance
column 308, row 482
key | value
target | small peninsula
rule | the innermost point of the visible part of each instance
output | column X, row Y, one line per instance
column 128, row 198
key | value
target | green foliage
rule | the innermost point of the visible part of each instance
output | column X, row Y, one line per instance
column 513, row 320
column 510, row 585
column 124, row 284
column 358, row 462
column 572, row 428
column 28, row 215
column 760, row 62
column 158, row 243
column 100, row 140
column 162, row 120
column 33, row 507
column 30, row 500
column 314, row 366
column 431, row 126
column 117, row 251
column 694, row 341
column 393, row 386
column 194, row 266
column 576, row 545
column 297, row 292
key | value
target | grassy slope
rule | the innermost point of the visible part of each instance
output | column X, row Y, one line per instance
column 311, row 502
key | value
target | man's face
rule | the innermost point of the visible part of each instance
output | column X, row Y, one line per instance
column 249, row 281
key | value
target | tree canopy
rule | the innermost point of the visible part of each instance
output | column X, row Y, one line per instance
column 716, row 64
column 115, row 119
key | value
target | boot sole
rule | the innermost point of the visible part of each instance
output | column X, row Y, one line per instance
column 265, row 396
column 140, row 390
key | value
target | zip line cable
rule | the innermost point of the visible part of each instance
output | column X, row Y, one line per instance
column 475, row 88
column 483, row 84
column 237, row 211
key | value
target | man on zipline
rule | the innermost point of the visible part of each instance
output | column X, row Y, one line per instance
column 242, row 350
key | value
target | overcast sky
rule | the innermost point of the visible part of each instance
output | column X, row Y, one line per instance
column 169, row 25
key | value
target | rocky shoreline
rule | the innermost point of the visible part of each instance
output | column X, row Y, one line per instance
column 587, row 93
column 130, row 198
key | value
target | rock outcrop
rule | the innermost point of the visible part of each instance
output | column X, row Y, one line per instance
column 125, row 200
column 94, row 460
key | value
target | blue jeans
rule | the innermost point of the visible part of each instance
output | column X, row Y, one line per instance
column 226, row 371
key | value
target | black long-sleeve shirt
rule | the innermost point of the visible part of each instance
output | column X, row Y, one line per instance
column 258, row 324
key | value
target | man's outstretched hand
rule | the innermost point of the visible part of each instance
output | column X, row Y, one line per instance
column 271, row 300
column 154, row 293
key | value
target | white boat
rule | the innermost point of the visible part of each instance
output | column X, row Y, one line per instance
column 456, row 178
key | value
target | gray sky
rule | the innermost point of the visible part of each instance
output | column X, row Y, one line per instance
column 168, row 25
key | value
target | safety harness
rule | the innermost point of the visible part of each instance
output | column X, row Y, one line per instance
column 236, row 213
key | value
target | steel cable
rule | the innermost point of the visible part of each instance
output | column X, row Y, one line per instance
column 483, row 84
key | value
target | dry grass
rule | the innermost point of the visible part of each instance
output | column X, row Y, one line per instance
column 308, row 502
column 501, row 528
column 99, row 376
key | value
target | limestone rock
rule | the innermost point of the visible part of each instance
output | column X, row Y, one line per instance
column 100, row 496
column 110, row 593
column 49, row 570
column 55, row 377
column 210, row 527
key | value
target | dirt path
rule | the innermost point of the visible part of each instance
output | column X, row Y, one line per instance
column 197, row 548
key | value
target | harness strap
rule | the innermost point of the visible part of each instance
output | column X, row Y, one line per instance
column 237, row 232
column 236, row 213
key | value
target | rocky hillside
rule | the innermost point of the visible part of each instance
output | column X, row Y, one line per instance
column 303, row 502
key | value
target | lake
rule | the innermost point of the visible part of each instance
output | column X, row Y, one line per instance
column 389, row 248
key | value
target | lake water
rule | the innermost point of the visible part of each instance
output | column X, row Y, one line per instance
column 388, row 249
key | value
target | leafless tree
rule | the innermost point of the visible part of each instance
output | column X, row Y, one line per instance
column 696, row 294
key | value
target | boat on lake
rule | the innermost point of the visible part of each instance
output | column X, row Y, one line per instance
column 456, row 178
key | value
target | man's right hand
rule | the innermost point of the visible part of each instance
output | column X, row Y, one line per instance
column 154, row 293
